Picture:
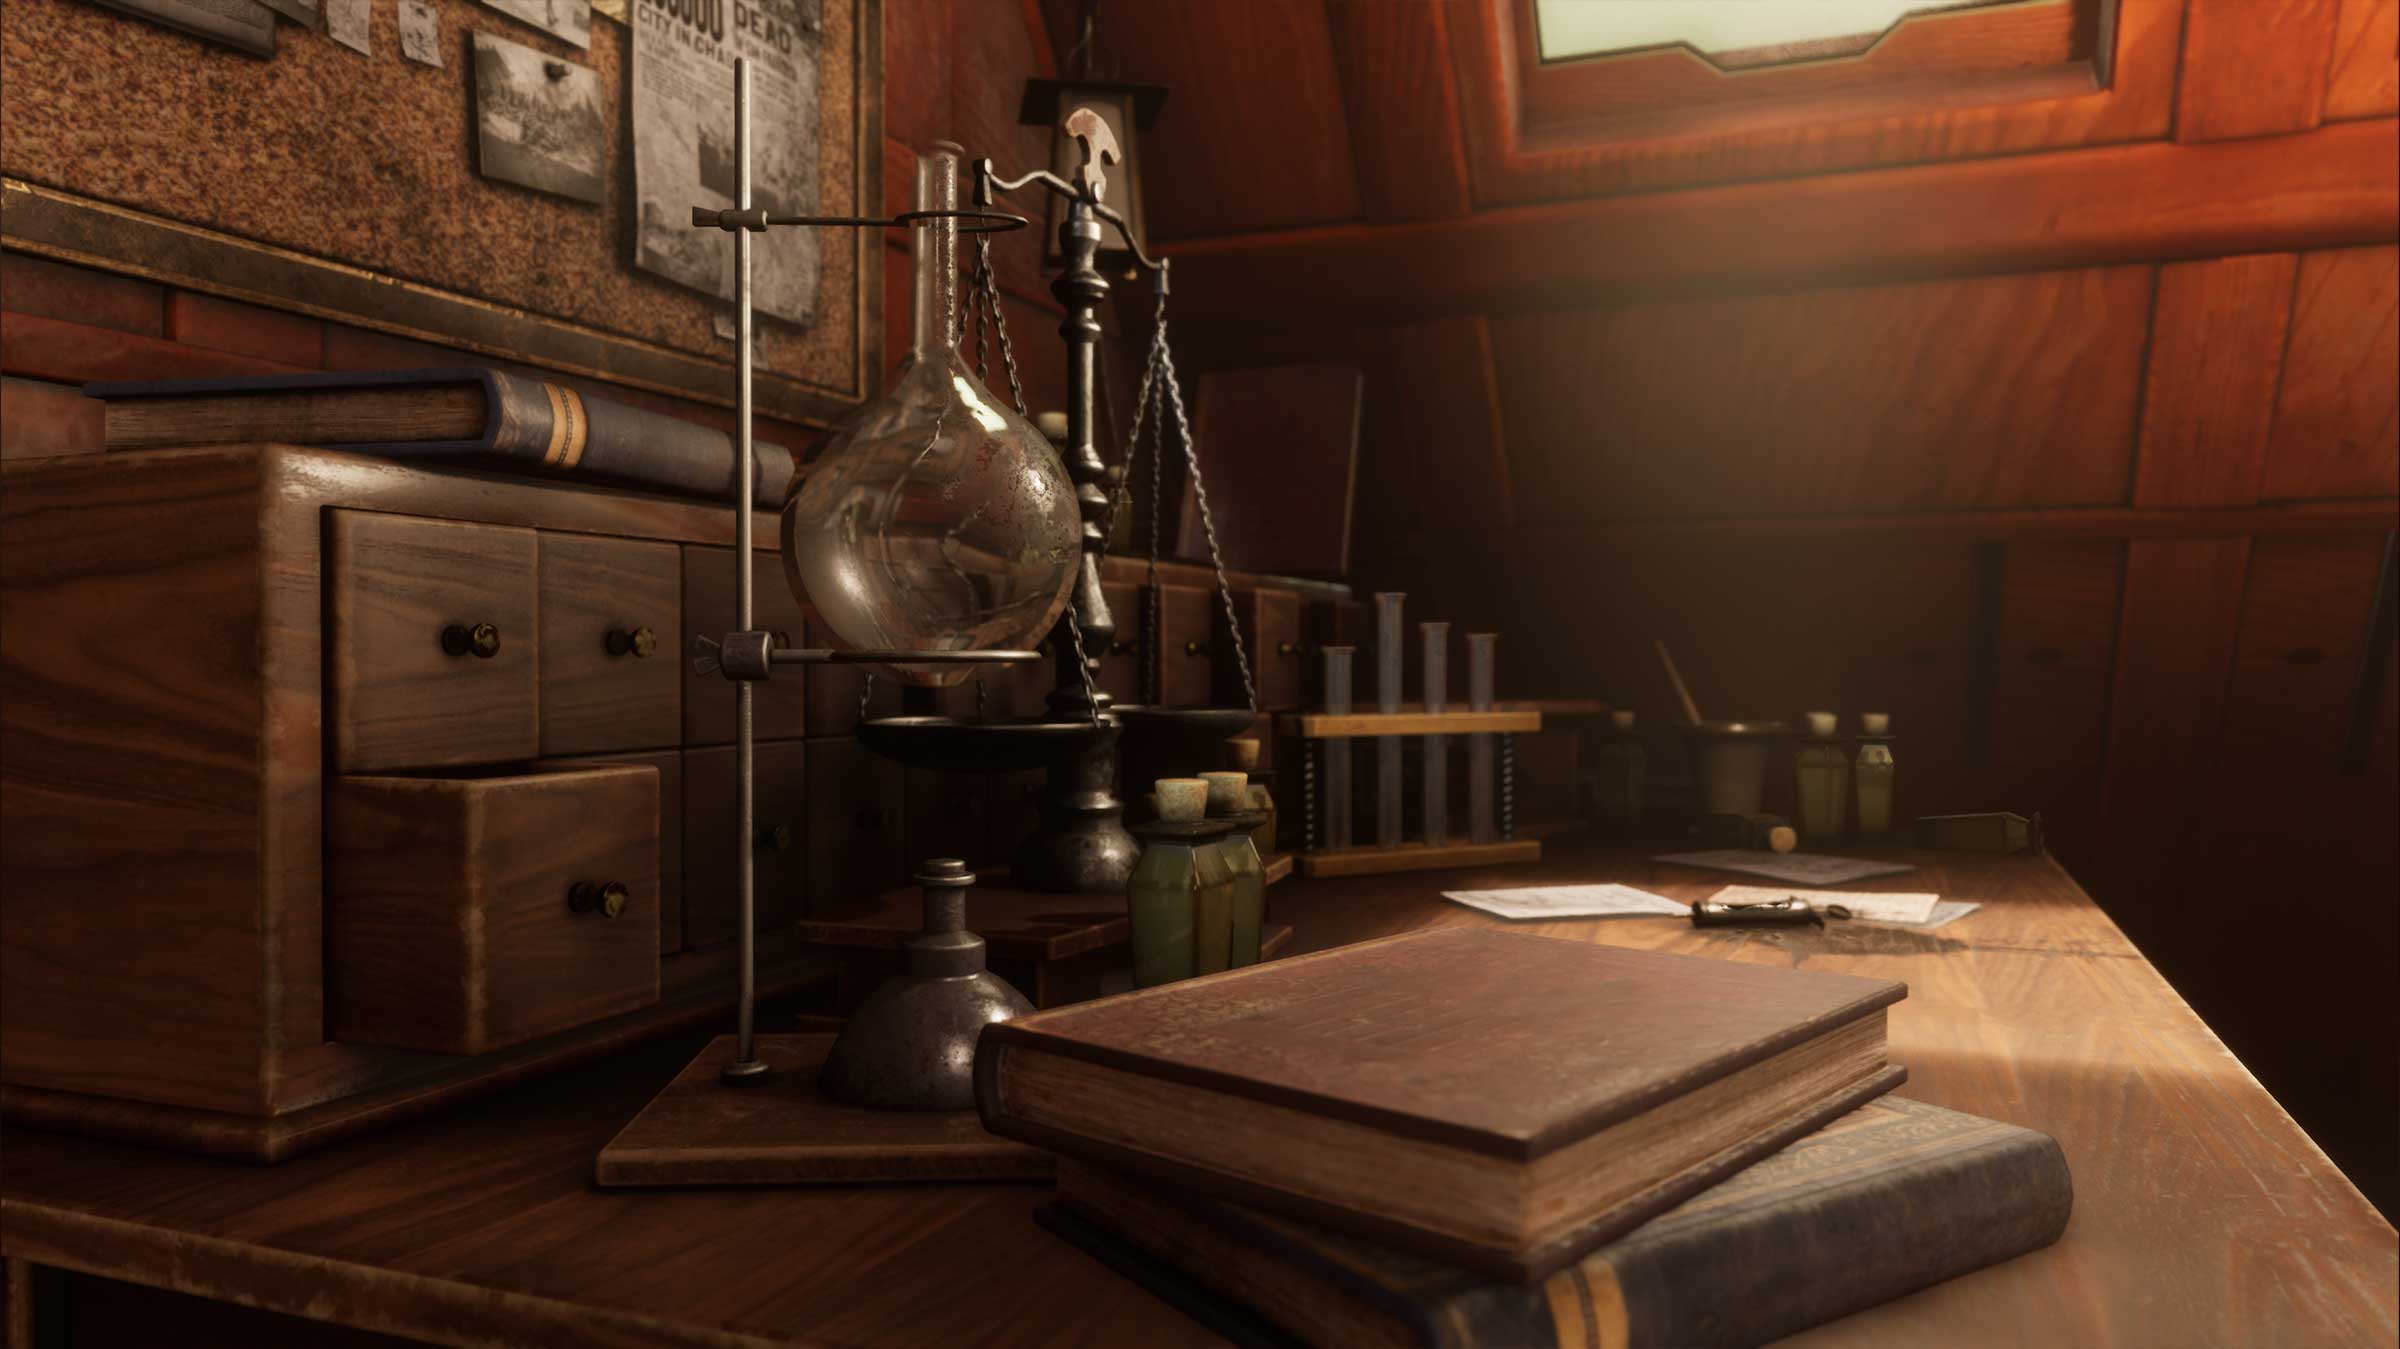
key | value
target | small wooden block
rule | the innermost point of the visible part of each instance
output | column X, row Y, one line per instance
column 1278, row 865
column 1274, row 940
column 1363, row 725
column 777, row 1130
column 1418, row 857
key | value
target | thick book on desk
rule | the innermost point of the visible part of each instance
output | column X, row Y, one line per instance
column 470, row 413
column 1892, row 1197
column 1500, row 1101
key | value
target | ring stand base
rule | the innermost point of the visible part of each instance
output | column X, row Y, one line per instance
column 778, row 1129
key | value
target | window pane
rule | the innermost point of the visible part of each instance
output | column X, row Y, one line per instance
column 1570, row 28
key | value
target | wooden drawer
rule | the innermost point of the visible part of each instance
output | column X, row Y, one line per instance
column 779, row 816
column 407, row 686
column 668, row 764
column 1014, row 812
column 1121, row 664
column 708, row 611
column 454, row 918
column 611, row 612
column 856, row 842
column 1271, row 639
column 1186, row 674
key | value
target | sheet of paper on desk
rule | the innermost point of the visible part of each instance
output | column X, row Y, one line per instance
column 1569, row 901
column 1798, row 868
column 1874, row 908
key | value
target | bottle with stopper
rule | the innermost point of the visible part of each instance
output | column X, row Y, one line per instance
column 1229, row 800
column 1824, row 774
column 1180, row 896
column 1874, row 773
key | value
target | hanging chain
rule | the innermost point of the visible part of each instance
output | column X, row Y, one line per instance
column 990, row 294
column 1208, row 525
column 866, row 691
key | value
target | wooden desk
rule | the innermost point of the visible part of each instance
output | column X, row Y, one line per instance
column 2202, row 1216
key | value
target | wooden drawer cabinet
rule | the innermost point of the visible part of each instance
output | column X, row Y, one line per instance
column 611, row 611
column 1186, row 673
column 779, row 813
column 1271, row 639
column 1121, row 664
column 833, row 691
column 431, row 648
column 949, row 815
column 668, row 764
column 781, row 703
column 468, row 915
column 857, row 843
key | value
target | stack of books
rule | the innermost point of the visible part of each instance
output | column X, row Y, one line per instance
column 1475, row 1137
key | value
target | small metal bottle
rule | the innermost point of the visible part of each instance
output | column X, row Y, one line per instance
column 1824, row 781
column 1874, row 772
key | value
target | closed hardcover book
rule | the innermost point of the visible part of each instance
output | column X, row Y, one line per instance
column 470, row 413
column 1495, row 1100
column 1890, row 1198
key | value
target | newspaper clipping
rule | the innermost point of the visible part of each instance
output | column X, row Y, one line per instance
column 683, row 147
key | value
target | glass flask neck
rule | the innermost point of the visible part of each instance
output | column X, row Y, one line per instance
column 934, row 245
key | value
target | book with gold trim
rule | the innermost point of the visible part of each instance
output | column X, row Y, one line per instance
column 1893, row 1197
column 475, row 415
column 1495, row 1100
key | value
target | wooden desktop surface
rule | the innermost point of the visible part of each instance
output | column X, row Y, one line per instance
column 2202, row 1214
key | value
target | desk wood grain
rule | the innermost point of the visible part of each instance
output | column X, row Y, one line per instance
column 2203, row 1215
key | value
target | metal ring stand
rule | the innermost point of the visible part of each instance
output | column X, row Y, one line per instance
column 749, row 655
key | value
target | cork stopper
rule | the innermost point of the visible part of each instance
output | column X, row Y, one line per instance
column 1228, row 792
column 1243, row 754
column 1621, row 720
column 1052, row 425
column 1875, row 723
column 1781, row 838
column 1823, row 724
column 1182, row 800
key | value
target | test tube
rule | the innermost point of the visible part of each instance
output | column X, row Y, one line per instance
column 1387, row 701
column 1436, row 637
column 1481, row 825
column 1336, row 749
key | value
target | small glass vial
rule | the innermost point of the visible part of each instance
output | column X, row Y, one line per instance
column 1180, row 896
column 1824, row 773
column 1874, row 772
column 1621, row 771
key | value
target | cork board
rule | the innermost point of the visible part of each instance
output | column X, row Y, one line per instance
column 344, row 186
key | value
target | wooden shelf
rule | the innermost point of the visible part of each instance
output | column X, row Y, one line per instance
column 1418, row 857
column 1410, row 721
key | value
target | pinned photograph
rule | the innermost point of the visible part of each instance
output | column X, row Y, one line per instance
column 420, row 33
column 537, row 120
column 243, row 24
column 566, row 20
column 351, row 23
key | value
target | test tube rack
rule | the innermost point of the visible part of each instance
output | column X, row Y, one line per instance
column 1488, row 725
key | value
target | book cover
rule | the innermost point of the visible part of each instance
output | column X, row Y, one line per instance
column 1569, row 1089
column 1892, row 1197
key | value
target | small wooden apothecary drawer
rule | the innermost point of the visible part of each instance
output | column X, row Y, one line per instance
column 464, row 915
column 612, row 614
column 430, row 644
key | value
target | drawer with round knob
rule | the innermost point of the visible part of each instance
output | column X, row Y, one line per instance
column 468, row 914
column 611, row 615
column 431, row 647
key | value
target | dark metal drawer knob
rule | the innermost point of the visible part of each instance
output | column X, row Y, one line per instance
column 481, row 640
column 777, row 838
column 1120, row 648
column 1287, row 648
column 638, row 643
column 608, row 899
column 1195, row 648
column 875, row 819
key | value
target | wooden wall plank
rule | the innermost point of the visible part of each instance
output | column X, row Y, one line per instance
column 2216, row 344
column 2253, row 67
column 2337, row 416
column 1948, row 395
column 1254, row 135
column 916, row 81
column 2058, row 631
column 1450, row 451
column 1402, row 95
column 2365, row 79
column 2334, row 187
column 2175, row 642
column 993, row 51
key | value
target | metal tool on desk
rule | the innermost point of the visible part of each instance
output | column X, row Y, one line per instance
column 1789, row 911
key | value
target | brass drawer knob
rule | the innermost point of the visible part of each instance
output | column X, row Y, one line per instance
column 776, row 838
column 638, row 643
column 606, row 899
column 1287, row 648
column 481, row 640
column 1120, row 648
column 1195, row 648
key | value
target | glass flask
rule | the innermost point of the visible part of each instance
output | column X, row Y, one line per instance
column 936, row 518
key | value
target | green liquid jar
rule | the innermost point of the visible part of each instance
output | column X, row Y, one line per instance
column 1240, row 853
column 1874, row 772
column 1181, row 901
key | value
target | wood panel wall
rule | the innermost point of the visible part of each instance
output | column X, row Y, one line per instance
column 2062, row 427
